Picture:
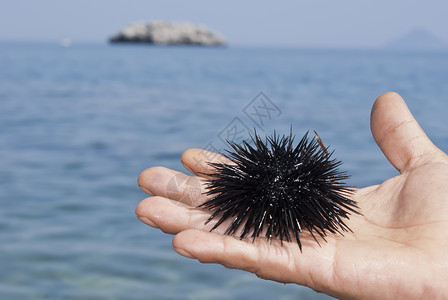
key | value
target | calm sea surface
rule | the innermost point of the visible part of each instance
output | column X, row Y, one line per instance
column 78, row 124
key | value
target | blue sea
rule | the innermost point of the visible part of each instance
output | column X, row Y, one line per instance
column 78, row 124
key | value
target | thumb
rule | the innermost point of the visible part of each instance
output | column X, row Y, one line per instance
column 398, row 134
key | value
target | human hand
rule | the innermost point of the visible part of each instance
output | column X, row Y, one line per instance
column 397, row 248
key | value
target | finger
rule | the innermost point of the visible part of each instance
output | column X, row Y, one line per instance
column 171, row 216
column 397, row 133
column 269, row 260
column 160, row 181
column 197, row 161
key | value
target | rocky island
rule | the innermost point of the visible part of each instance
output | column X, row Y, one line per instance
column 168, row 33
column 418, row 39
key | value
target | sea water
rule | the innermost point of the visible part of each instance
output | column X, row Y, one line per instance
column 78, row 124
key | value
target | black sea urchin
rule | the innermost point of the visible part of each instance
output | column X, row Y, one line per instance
column 276, row 189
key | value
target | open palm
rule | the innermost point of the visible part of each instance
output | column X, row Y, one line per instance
column 397, row 248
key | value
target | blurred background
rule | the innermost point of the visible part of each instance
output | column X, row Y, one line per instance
column 81, row 118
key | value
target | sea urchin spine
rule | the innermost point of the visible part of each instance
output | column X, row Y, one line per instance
column 276, row 189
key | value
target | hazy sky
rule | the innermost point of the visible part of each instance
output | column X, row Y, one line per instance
column 312, row 23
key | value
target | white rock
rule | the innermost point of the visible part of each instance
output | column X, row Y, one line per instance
column 166, row 33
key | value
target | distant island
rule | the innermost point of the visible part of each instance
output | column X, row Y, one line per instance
column 418, row 39
column 168, row 33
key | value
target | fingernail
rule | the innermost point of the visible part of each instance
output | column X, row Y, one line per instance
column 146, row 191
column 189, row 170
column 184, row 253
column 147, row 221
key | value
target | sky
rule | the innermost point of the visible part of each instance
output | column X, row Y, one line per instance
column 311, row 23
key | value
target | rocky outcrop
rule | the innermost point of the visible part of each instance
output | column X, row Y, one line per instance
column 167, row 33
column 418, row 39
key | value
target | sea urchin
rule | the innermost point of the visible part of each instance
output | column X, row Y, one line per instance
column 276, row 189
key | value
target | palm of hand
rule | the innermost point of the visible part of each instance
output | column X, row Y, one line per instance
column 398, row 248
column 398, row 245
